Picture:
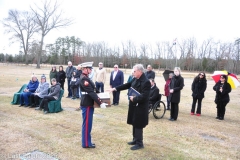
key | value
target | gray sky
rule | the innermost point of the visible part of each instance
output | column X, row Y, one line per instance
column 142, row 21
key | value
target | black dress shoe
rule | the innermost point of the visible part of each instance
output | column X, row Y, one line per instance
column 26, row 105
column 136, row 147
column 115, row 104
column 20, row 105
column 131, row 143
column 221, row 118
column 217, row 117
column 32, row 106
column 92, row 146
column 171, row 119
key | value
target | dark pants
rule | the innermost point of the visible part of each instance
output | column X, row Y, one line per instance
column 100, row 86
column 87, row 116
column 24, row 97
column 62, row 85
column 116, row 95
column 198, row 106
column 138, row 136
column 34, row 99
column 44, row 103
column 168, row 102
column 69, row 88
column 221, row 108
column 174, row 110
column 74, row 90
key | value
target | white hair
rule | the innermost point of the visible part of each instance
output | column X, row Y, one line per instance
column 178, row 68
column 139, row 67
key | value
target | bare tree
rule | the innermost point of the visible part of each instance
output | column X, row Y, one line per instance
column 48, row 18
column 22, row 26
column 204, row 49
column 144, row 54
column 236, row 57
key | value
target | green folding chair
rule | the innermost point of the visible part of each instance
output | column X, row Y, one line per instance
column 55, row 106
column 16, row 96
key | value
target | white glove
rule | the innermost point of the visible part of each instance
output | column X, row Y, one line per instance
column 103, row 105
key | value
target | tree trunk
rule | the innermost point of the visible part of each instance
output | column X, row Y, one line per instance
column 40, row 53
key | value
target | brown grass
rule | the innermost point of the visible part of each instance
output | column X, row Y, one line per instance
column 24, row 129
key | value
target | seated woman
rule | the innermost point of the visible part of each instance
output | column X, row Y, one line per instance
column 40, row 92
column 31, row 88
column 154, row 93
column 52, row 96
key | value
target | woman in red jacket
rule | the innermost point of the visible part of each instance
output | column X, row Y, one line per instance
column 166, row 90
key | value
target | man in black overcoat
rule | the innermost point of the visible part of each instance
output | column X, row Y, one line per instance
column 138, row 105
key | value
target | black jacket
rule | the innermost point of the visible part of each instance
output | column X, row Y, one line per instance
column 177, row 83
column 154, row 95
column 61, row 75
column 198, row 88
column 86, row 85
column 150, row 74
column 224, row 95
column 138, row 109
column 78, row 73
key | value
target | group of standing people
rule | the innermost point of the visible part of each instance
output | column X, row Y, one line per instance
column 175, row 83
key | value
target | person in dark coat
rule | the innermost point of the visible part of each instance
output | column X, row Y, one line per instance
column 222, row 98
column 150, row 73
column 53, row 73
column 78, row 74
column 69, row 72
column 199, row 86
column 138, row 105
column 52, row 96
column 166, row 90
column 61, row 75
column 74, row 86
column 116, row 79
column 154, row 92
column 176, row 85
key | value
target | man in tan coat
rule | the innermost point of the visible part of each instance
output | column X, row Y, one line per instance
column 100, row 77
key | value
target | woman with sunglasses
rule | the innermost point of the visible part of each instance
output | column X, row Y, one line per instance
column 222, row 88
column 199, row 86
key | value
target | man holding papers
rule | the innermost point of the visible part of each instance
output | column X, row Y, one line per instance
column 138, row 104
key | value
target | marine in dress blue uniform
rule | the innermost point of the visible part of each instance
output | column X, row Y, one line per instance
column 88, row 97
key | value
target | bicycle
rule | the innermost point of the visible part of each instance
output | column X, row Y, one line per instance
column 158, row 108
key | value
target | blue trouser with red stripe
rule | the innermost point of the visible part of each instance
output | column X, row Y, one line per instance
column 87, row 115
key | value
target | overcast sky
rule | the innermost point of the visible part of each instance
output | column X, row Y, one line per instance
column 142, row 21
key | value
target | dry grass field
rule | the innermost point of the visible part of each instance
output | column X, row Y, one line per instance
column 190, row 137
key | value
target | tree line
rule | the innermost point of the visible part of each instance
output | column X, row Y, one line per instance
column 191, row 56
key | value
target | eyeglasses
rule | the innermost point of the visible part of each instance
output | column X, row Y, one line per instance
column 201, row 75
column 222, row 77
column 115, row 67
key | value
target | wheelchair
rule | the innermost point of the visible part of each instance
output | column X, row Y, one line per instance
column 158, row 108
